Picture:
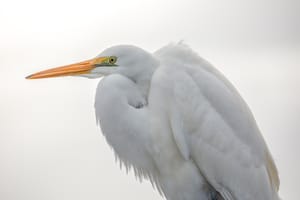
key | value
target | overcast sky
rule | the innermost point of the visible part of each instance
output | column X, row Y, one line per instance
column 50, row 147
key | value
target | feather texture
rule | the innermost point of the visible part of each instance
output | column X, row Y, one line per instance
column 182, row 125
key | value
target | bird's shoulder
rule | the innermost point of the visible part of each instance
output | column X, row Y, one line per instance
column 213, row 124
column 178, row 52
column 199, row 91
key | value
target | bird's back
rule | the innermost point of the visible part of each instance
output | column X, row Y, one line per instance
column 218, row 131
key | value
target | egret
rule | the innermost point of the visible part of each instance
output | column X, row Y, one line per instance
column 177, row 121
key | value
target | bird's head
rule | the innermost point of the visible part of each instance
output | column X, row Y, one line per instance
column 127, row 60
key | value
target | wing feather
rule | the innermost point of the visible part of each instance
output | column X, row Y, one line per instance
column 272, row 171
column 221, row 134
column 178, row 134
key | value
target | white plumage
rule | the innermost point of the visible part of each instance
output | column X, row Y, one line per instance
column 178, row 122
column 194, row 135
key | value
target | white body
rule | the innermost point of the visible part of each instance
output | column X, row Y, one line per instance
column 189, row 131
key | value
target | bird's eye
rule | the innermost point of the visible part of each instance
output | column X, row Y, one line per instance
column 112, row 60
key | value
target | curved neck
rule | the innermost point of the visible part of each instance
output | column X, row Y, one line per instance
column 142, row 78
column 116, row 97
column 125, row 127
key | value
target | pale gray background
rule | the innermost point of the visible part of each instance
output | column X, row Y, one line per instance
column 50, row 147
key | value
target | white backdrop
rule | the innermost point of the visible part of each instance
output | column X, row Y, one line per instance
column 50, row 147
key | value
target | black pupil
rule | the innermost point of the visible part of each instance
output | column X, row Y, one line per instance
column 112, row 60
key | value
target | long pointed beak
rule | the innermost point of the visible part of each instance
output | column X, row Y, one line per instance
column 68, row 70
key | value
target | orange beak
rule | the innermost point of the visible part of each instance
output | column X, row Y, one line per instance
column 69, row 70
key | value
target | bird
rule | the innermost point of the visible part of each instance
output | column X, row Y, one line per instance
column 175, row 120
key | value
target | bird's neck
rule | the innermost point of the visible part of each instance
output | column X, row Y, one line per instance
column 143, row 80
column 144, row 86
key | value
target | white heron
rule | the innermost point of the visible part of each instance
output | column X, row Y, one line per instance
column 178, row 122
